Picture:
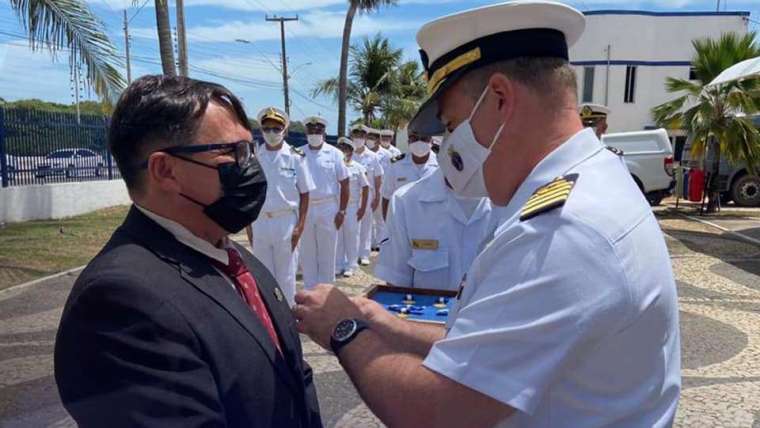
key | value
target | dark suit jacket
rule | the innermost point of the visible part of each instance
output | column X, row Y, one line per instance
column 153, row 336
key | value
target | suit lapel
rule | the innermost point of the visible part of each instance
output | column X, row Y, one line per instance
column 196, row 269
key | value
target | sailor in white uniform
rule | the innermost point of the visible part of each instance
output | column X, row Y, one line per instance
column 433, row 235
column 386, row 140
column 569, row 316
column 384, row 155
column 327, row 205
column 371, row 161
column 275, row 234
column 408, row 168
column 594, row 116
column 348, row 235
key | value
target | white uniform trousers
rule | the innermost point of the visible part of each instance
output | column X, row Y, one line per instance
column 272, row 246
column 365, row 232
column 378, row 226
column 348, row 240
column 319, row 244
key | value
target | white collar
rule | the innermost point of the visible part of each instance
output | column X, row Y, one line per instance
column 183, row 235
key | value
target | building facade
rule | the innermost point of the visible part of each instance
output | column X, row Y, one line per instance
column 624, row 57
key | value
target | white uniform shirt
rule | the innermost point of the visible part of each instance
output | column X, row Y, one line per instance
column 384, row 156
column 404, row 171
column 431, row 239
column 571, row 317
column 371, row 162
column 357, row 179
column 327, row 168
column 287, row 177
column 393, row 149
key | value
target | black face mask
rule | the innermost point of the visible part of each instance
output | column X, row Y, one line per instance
column 243, row 193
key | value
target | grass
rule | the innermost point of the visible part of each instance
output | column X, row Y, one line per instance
column 35, row 249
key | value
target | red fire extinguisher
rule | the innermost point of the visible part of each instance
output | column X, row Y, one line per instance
column 696, row 185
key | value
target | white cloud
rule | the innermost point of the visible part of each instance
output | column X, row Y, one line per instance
column 317, row 24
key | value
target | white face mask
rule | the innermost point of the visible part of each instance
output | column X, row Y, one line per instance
column 461, row 158
column 315, row 140
column 419, row 148
column 273, row 138
column 358, row 143
column 371, row 144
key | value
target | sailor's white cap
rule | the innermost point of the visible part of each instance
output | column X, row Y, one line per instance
column 274, row 114
column 315, row 120
column 456, row 44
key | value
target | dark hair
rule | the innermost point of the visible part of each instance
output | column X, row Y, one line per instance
column 156, row 112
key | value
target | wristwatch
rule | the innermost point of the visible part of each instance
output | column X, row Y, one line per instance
column 345, row 332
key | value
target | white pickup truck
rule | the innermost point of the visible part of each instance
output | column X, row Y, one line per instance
column 649, row 157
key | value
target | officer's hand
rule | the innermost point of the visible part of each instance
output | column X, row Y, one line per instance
column 319, row 310
column 339, row 217
column 360, row 215
column 376, row 315
column 375, row 203
column 297, row 232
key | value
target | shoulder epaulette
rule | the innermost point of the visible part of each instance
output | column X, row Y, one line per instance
column 549, row 197
column 398, row 158
column 297, row 151
column 615, row 150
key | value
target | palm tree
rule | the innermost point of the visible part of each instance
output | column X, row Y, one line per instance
column 71, row 25
column 165, row 38
column 408, row 89
column 716, row 117
column 372, row 64
column 354, row 6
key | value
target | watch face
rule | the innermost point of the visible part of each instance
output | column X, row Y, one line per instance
column 344, row 330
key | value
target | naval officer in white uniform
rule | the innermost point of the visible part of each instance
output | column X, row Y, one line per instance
column 386, row 139
column 327, row 205
column 385, row 156
column 433, row 235
column 275, row 234
column 408, row 168
column 348, row 235
column 569, row 316
column 371, row 161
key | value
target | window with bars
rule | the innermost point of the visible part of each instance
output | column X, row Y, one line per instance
column 630, row 84
column 588, row 85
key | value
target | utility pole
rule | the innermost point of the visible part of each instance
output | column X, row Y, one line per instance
column 126, row 46
column 717, row 8
column 181, row 38
column 282, row 21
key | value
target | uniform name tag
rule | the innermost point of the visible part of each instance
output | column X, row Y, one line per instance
column 401, row 179
column 425, row 244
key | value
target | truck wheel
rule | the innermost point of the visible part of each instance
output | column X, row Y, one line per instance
column 746, row 191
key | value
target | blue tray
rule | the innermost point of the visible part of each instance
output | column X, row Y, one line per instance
column 422, row 308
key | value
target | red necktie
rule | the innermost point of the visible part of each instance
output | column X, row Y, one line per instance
column 246, row 284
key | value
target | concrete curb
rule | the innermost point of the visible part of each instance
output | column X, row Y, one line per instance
column 741, row 236
column 39, row 280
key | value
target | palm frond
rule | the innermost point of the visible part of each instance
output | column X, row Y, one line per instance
column 70, row 24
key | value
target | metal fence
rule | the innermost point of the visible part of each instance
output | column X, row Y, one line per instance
column 41, row 147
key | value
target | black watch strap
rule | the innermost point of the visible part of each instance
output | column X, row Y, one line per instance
column 337, row 345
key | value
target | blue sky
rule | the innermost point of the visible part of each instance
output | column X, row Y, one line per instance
column 249, row 70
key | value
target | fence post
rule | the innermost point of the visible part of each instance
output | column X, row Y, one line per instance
column 3, row 157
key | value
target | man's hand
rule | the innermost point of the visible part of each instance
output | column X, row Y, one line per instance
column 360, row 215
column 339, row 217
column 375, row 203
column 377, row 316
column 319, row 310
column 297, row 232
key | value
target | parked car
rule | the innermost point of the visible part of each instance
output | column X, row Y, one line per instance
column 74, row 162
column 649, row 157
column 735, row 182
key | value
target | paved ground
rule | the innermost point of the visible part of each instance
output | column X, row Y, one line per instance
column 719, row 287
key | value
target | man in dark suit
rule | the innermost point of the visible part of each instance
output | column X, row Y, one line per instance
column 172, row 324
